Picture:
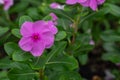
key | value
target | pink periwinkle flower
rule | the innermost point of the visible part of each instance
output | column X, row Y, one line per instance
column 54, row 18
column 37, row 36
column 55, row 5
column 92, row 42
column 7, row 4
column 71, row 2
column 87, row 3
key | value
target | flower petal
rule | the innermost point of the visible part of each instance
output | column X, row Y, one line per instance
column 82, row 1
column 85, row 3
column 38, row 49
column 48, row 39
column 1, row 2
column 7, row 4
column 54, row 5
column 39, row 26
column 100, row 1
column 52, row 27
column 71, row 1
column 54, row 17
column 93, row 5
column 26, row 29
column 25, row 43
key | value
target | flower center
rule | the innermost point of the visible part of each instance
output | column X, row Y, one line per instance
column 36, row 37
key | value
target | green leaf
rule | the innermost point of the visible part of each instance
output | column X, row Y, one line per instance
column 20, row 7
column 114, row 9
column 48, row 17
column 33, row 13
column 84, row 48
column 5, row 63
column 10, row 48
column 3, row 30
column 38, row 63
column 3, row 75
column 64, row 62
column 62, row 13
column 83, row 58
column 110, row 36
column 65, row 75
column 116, row 73
column 21, row 56
column 70, row 75
column 64, row 24
column 58, row 48
column 60, row 35
column 22, row 73
column 23, row 19
column 4, row 34
column 114, row 57
column 111, row 47
column 16, row 32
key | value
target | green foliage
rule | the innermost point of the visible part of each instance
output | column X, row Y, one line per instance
column 11, row 47
column 72, row 50
column 16, row 33
column 23, row 19
column 68, row 75
column 23, row 72
column 60, row 36
column 114, row 10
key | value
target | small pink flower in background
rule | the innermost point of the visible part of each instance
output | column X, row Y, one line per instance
column 7, row 4
column 92, row 42
column 37, row 36
column 55, row 5
column 54, row 18
column 87, row 3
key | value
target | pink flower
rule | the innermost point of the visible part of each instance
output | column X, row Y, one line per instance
column 55, row 5
column 91, row 3
column 92, row 42
column 87, row 3
column 71, row 1
column 37, row 36
column 54, row 18
column 7, row 4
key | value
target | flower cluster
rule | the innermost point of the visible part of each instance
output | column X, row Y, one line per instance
column 7, row 4
column 87, row 3
column 37, row 36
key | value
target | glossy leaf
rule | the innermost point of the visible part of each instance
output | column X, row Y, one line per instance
column 16, row 32
column 10, row 48
column 23, row 19
column 24, row 73
column 60, row 35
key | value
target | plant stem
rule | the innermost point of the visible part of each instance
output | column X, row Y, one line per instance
column 7, row 16
column 8, row 19
column 76, row 23
column 41, row 74
column 75, row 32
